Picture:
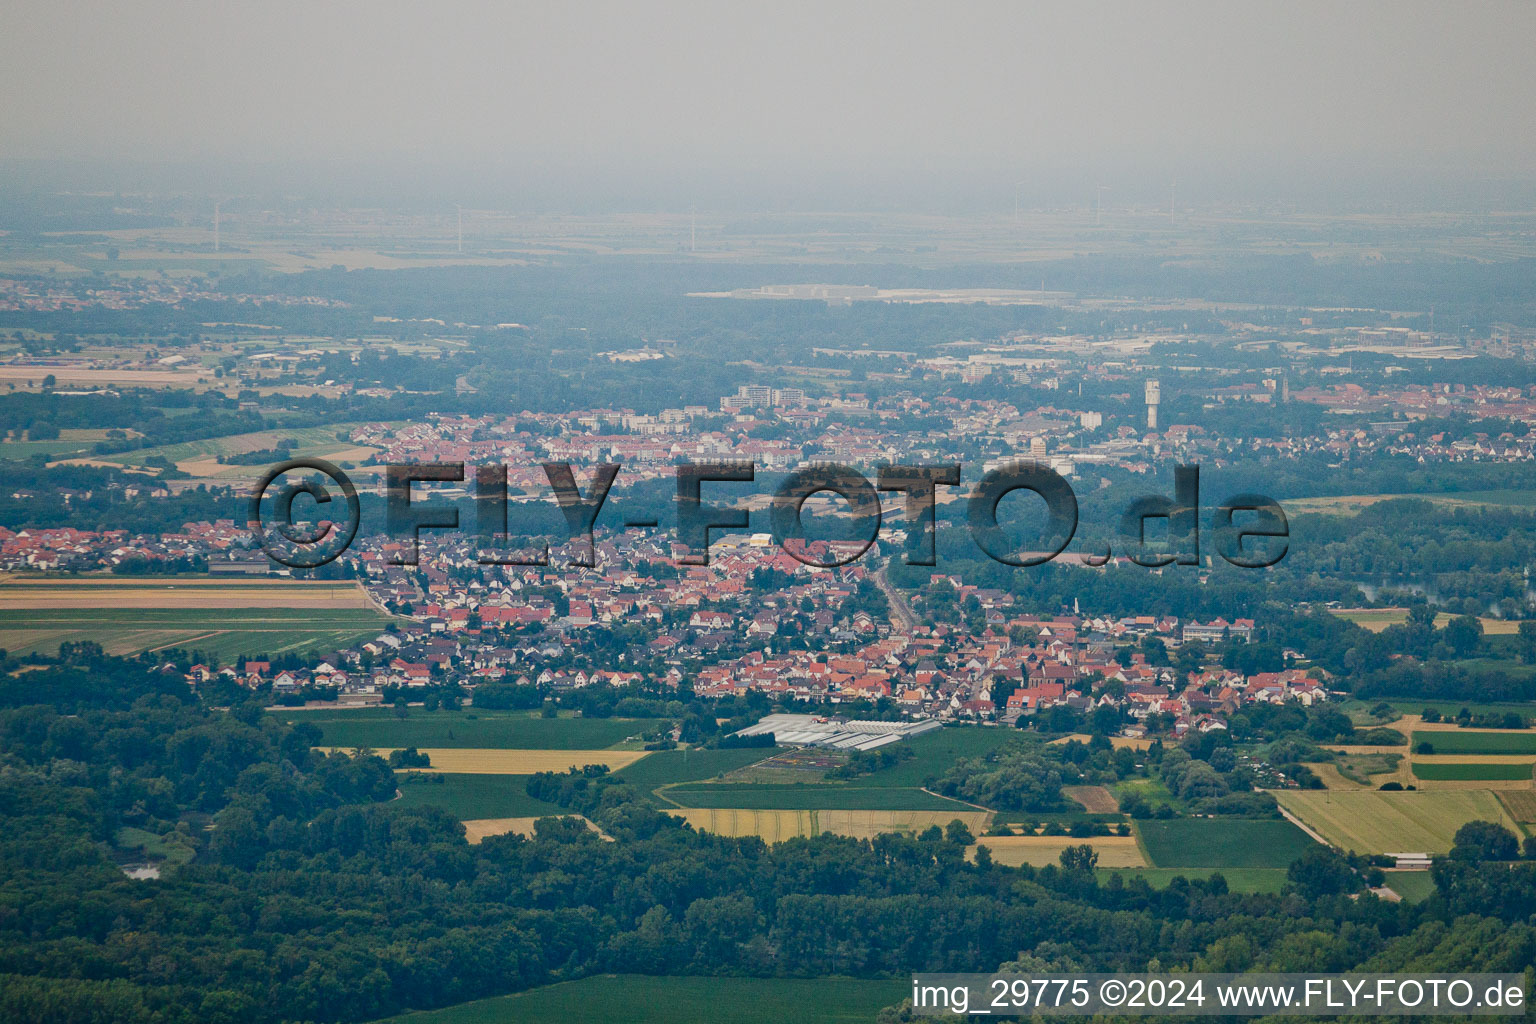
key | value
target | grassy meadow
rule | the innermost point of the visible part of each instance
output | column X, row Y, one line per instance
column 670, row 767
column 1475, row 741
column 1471, row 771
column 1223, row 842
column 474, row 796
column 636, row 999
column 1369, row 821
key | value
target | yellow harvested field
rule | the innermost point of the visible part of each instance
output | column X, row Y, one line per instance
column 1113, row 851
column 1095, row 799
column 32, row 376
column 210, row 466
column 201, row 592
column 1378, row 619
column 774, row 826
column 1369, row 821
column 482, row 761
column 479, row 829
column 1494, row 785
column 1118, row 742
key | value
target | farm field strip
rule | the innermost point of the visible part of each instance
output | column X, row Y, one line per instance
column 1012, row 851
column 1095, row 799
column 275, row 618
column 1118, row 742
column 812, row 796
column 31, row 595
column 44, row 580
column 1510, row 743
column 1222, row 843
column 1520, row 805
column 469, row 797
column 1351, row 504
column 484, row 761
column 936, row 751
column 1526, row 759
column 777, row 825
column 1376, row 822
column 310, row 440
column 637, row 999
column 380, row 728
column 222, row 633
column 671, row 767
column 1470, row 771
column 1377, row 620
column 477, row 830
column 1243, row 880
column 221, row 618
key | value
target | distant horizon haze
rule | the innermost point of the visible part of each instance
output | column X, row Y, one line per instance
column 793, row 106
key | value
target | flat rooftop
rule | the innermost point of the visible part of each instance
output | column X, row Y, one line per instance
column 834, row 733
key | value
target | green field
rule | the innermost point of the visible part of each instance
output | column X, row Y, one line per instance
column 1475, row 741
column 1266, row 880
column 153, row 845
column 1470, row 771
column 56, row 449
column 667, row 767
column 504, row 730
column 1449, row 708
column 1368, row 821
column 222, row 633
column 936, row 751
column 635, row 999
column 1412, row 886
column 1223, row 842
column 1151, row 790
column 811, row 797
column 467, row 797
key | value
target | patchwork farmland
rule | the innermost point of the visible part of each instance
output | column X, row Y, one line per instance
column 1393, row 822
column 1113, row 851
column 222, row 619
column 483, row 761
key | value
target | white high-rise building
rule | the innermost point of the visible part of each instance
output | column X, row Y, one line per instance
column 1154, row 397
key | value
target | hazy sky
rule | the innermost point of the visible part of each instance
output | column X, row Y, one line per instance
column 987, row 92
